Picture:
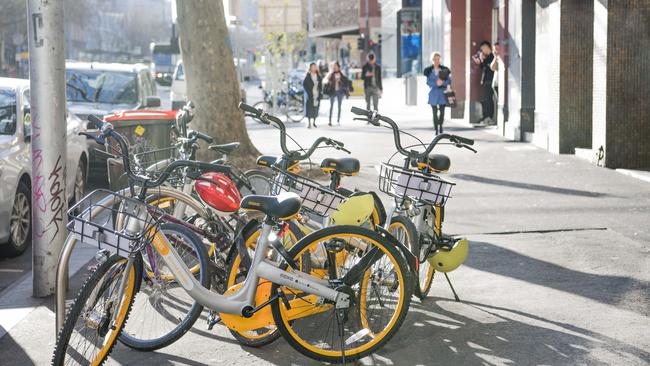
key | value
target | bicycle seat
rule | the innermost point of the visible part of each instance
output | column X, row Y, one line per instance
column 225, row 148
column 343, row 166
column 439, row 162
column 268, row 161
column 283, row 206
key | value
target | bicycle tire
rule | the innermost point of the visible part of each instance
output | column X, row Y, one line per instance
column 256, row 175
column 299, row 110
column 286, row 325
column 130, row 337
column 83, row 298
column 264, row 106
column 425, row 270
column 234, row 276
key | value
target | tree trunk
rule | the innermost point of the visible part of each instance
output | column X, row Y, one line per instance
column 211, row 78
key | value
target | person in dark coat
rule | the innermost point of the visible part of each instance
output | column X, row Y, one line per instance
column 371, row 74
column 337, row 86
column 313, row 85
column 438, row 78
column 485, row 58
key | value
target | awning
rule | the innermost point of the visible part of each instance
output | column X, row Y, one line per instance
column 335, row 32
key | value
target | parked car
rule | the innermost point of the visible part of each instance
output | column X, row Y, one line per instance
column 178, row 93
column 104, row 88
column 16, row 166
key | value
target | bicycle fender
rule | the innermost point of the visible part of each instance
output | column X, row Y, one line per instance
column 239, row 244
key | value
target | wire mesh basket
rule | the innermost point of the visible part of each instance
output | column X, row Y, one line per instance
column 152, row 162
column 414, row 185
column 101, row 219
column 316, row 198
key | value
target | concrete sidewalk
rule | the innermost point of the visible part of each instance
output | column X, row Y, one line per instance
column 558, row 272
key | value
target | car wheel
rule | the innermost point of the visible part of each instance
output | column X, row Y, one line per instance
column 79, row 182
column 20, row 222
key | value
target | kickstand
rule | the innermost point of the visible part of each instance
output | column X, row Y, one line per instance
column 452, row 287
column 340, row 318
column 213, row 319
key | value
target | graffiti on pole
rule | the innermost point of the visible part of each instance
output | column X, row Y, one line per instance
column 53, row 188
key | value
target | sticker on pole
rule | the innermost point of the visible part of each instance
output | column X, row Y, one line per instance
column 139, row 130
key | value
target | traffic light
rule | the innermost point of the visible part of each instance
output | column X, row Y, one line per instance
column 360, row 43
column 379, row 39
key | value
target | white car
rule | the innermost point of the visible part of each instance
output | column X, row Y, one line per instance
column 178, row 93
column 103, row 88
column 16, row 165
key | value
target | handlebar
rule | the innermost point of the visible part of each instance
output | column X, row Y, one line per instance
column 294, row 155
column 374, row 118
column 201, row 136
column 106, row 130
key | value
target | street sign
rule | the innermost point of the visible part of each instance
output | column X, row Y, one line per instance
column 280, row 16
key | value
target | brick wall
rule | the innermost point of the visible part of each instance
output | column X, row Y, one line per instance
column 628, row 84
column 458, row 54
column 576, row 75
column 480, row 30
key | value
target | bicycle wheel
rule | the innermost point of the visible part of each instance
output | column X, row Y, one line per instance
column 89, row 332
column 237, row 274
column 405, row 232
column 259, row 181
column 379, row 303
column 162, row 311
column 264, row 106
column 295, row 110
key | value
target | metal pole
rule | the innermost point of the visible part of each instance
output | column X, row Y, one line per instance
column 49, row 203
column 367, row 35
column 310, row 27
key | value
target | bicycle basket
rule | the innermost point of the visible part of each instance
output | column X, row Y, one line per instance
column 152, row 162
column 315, row 198
column 100, row 219
column 415, row 185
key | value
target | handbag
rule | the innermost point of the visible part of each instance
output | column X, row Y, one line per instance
column 450, row 97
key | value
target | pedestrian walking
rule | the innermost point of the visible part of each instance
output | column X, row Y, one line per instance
column 484, row 59
column 336, row 86
column 371, row 74
column 313, row 85
column 438, row 79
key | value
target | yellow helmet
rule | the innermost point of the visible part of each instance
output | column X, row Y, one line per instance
column 355, row 210
column 448, row 259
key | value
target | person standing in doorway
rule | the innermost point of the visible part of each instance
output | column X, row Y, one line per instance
column 371, row 73
column 337, row 86
column 484, row 59
column 438, row 79
column 313, row 85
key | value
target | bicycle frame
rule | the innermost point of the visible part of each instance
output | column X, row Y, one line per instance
column 243, row 300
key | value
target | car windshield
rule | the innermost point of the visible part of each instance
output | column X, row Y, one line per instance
column 7, row 111
column 100, row 86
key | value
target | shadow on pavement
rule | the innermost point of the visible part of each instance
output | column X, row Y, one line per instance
column 528, row 186
column 443, row 332
column 605, row 289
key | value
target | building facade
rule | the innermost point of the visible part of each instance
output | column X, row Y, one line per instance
column 573, row 76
